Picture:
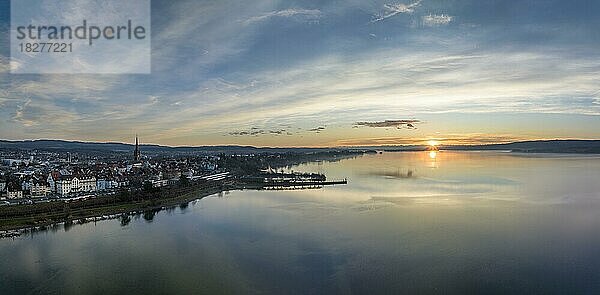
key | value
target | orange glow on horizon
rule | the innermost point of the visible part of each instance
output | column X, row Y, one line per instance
column 433, row 143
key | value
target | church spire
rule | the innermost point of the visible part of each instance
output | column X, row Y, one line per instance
column 136, row 152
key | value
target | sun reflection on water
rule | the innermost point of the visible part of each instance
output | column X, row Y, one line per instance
column 433, row 155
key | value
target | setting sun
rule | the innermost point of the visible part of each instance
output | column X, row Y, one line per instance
column 433, row 143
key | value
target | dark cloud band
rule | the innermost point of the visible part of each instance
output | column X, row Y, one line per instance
column 400, row 124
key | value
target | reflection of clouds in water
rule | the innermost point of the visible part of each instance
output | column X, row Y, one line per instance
column 371, row 205
column 365, row 232
column 321, row 241
column 422, row 200
column 310, row 209
column 358, row 193
column 30, row 255
column 430, row 189
column 474, row 180
column 398, row 174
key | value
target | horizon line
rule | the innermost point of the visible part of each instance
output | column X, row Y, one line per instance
column 292, row 147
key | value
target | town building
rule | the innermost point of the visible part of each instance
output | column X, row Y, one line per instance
column 39, row 189
column 63, row 185
column 106, row 184
column 13, row 191
column 69, row 184
column 35, row 186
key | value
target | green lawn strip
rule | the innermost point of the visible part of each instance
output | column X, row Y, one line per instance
column 48, row 218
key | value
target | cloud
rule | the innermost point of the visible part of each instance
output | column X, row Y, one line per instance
column 435, row 20
column 212, row 75
column 394, row 9
column 19, row 114
column 334, row 89
column 596, row 97
column 210, row 32
column 399, row 124
column 38, row 113
column 5, row 63
column 247, row 133
column 317, row 130
column 302, row 14
column 255, row 131
column 80, row 87
column 330, row 90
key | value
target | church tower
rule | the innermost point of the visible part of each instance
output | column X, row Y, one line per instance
column 136, row 152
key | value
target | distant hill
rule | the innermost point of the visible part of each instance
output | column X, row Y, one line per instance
column 546, row 146
column 101, row 147
column 541, row 146
column 536, row 146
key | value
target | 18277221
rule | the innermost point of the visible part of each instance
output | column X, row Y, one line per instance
column 50, row 47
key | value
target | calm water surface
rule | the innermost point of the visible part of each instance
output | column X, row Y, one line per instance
column 451, row 222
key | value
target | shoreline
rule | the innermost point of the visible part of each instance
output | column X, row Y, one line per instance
column 9, row 227
column 48, row 219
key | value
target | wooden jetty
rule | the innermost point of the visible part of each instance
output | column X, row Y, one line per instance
column 292, row 185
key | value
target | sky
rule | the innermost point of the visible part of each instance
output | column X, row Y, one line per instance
column 330, row 73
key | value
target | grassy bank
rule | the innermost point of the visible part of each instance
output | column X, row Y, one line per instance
column 44, row 214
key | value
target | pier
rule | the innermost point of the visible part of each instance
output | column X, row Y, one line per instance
column 289, row 182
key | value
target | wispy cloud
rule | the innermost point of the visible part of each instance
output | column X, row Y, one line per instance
column 317, row 130
column 255, row 131
column 5, row 63
column 298, row 13
column 434, row 20
column 20, row 114
column 288, row 131
column 399, row 124
column 395, row 9
column 596, row 97
column 38, row 113
column 212, row 76
column 210, row 31
column 332, row 90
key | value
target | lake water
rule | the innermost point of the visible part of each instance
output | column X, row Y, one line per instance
column 447, row 223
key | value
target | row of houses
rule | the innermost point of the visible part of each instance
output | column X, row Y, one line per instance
column 52, row 175
column 65, row 184
column 60, row 185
